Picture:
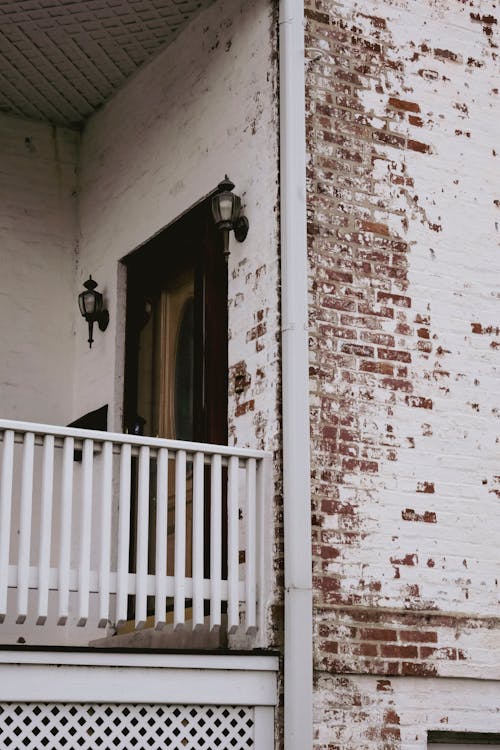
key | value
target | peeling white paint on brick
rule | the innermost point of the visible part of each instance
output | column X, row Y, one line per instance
column 452, row 280
column 400, row 712
column 404, row 344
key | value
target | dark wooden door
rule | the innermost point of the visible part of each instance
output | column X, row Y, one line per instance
column 182, row 267
column 176, row 352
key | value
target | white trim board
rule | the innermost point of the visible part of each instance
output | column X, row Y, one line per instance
column 247, row 662
column 138, row 678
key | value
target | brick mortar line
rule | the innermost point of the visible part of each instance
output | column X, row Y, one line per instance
column 342, row 25
column 390, row 677
column 383, row 611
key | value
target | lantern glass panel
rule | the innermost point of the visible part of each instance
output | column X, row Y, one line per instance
column 89, row 302
column 98, row 302
column 226, row 206
column 236, row 208
column 215, row 209
column 81, row 304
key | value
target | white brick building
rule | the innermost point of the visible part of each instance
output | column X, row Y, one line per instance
column 319, row 416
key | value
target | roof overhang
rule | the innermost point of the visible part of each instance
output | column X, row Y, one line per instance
column 60, row 60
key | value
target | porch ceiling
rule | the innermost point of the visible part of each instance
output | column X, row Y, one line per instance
column 60, row 60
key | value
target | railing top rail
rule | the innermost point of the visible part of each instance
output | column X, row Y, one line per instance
column 139, row 440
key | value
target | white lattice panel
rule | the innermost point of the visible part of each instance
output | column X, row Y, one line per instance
column 82, row 726
column 61, row 59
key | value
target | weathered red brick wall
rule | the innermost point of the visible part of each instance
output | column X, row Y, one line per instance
column 401, row 129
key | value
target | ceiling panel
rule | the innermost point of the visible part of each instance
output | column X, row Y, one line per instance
column 62, row 59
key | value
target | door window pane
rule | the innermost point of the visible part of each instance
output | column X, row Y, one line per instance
column 184, row 371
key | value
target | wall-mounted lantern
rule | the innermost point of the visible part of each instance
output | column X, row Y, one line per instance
column 226, row 211
column 92, row 308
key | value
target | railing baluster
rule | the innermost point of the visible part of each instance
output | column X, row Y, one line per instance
column 264, row 543
column 215, row 542
column 123, row 534
column 105, row 546
column 251, row 547
column 180, row 540
column 141, row 574
column 232, row 544
column 161, row 537
column 198, row 539
column 45, row 528
column 65, row 532
column 85, row 532
column 5, row 516
column 25, row 513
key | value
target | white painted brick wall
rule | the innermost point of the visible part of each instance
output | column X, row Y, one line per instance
column 37, row 229
column 203, row 108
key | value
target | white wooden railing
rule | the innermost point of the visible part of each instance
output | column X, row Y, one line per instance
column 72, row 502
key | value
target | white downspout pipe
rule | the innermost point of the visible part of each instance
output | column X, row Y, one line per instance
column 295, row 364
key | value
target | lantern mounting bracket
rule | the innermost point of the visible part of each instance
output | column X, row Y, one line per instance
column 241, row 229
column 103, row 320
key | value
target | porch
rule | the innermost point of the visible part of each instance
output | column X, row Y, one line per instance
column 102, row 532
